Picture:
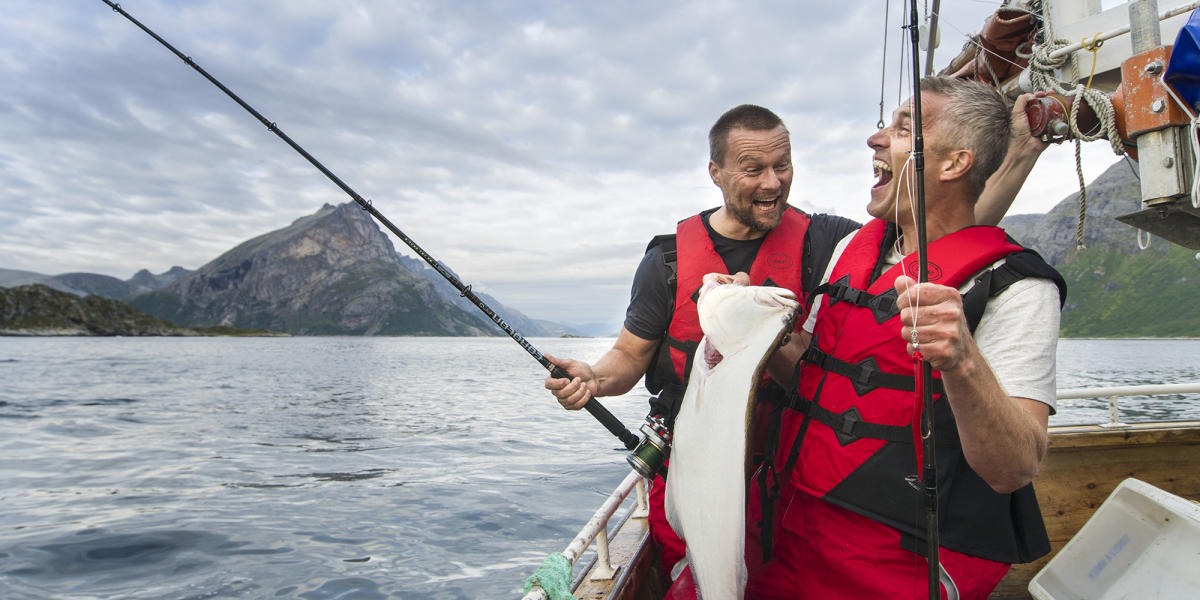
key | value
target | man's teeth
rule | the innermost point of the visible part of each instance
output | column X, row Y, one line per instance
column 881, row 167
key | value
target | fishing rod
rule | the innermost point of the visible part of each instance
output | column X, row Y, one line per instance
column 929, row 469
column 593, row 406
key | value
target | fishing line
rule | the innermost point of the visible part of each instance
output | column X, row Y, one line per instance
column 594, row 407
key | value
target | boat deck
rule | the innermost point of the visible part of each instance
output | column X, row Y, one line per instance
column 1083, row 466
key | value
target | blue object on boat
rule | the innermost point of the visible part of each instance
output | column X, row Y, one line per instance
column 1183, row 69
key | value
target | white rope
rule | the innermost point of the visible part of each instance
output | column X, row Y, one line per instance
column 1146, row 244
column 907, row 182
column 1044, row 60
column 1041, row 74
column 1082, row 216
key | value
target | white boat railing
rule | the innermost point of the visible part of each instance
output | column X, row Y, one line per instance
column 1114, row 393
column 597, row 530
column 597, row 527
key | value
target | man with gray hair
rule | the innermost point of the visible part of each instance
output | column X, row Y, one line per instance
column 849, row 521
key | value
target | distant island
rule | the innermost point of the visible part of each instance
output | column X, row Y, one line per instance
column 38, row 310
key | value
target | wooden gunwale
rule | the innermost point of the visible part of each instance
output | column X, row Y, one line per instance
column 1083, row 465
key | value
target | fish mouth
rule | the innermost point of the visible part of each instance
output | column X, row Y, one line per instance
column 883, row 172
column 712, row 357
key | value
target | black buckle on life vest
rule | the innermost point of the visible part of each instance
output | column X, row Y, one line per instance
column 849, row 422
column 849, row 426
column 883, row 306
column 840, row 290
column 866, row 378
column 866, row 375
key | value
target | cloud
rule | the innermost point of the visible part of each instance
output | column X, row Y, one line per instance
column 533, row 147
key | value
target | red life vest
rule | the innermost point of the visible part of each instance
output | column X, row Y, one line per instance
column 856, row 405
column 778, row 263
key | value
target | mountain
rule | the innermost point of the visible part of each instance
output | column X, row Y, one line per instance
column 517, row 321
column 335, row 272
column 37, row 309
column 12, row 278
column 331, row 273
column 1114, row 287
column 144, row 281
column 82, row 284
column 1113, row 293
column 1115, row 192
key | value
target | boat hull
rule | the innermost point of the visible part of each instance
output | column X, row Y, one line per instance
column 1084, row 464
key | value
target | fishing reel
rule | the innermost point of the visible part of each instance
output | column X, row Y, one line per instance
column 651, row 453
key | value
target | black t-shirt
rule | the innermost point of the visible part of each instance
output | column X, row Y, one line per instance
column 651, row 300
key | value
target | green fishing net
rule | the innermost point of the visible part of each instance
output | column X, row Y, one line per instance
column 553, row 576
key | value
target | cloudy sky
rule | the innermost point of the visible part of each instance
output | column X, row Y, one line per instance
column 532, row 146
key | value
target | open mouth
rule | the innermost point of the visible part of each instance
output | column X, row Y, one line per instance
column 883, row 171
column 767, row 204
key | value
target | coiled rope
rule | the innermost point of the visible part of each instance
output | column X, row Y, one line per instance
column 1041, row 74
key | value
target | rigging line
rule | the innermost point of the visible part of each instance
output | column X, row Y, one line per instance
column 597, row 410
column 931, row 17
column 903, row 72
column 887, row 5
column 973, row 39
column 1108, row 35
column 1043, row 9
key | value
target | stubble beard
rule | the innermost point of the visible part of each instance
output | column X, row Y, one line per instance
column 758, row 222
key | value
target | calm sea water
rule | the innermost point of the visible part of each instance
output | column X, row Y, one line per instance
column 335, row 467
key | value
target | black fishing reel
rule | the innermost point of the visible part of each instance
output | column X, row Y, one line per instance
column 651, row 453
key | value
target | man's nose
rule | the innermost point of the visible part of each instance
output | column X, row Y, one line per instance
column 771, row 178
column 878, row 139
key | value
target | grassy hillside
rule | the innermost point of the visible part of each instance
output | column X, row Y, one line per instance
column 1113, row 293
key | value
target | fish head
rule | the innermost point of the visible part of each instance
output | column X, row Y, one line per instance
column 733, row 315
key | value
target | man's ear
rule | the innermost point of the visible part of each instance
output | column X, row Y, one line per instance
column 955, row 165
column 714, row 172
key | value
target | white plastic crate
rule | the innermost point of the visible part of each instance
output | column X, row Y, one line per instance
column 1141, row 543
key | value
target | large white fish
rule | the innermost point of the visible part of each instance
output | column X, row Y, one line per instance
column 706, row 480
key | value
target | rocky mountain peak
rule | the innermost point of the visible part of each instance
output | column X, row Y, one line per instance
column 332, row 272
column 1114, row 193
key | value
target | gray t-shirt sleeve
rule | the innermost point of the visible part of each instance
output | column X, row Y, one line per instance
column 650, row 298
